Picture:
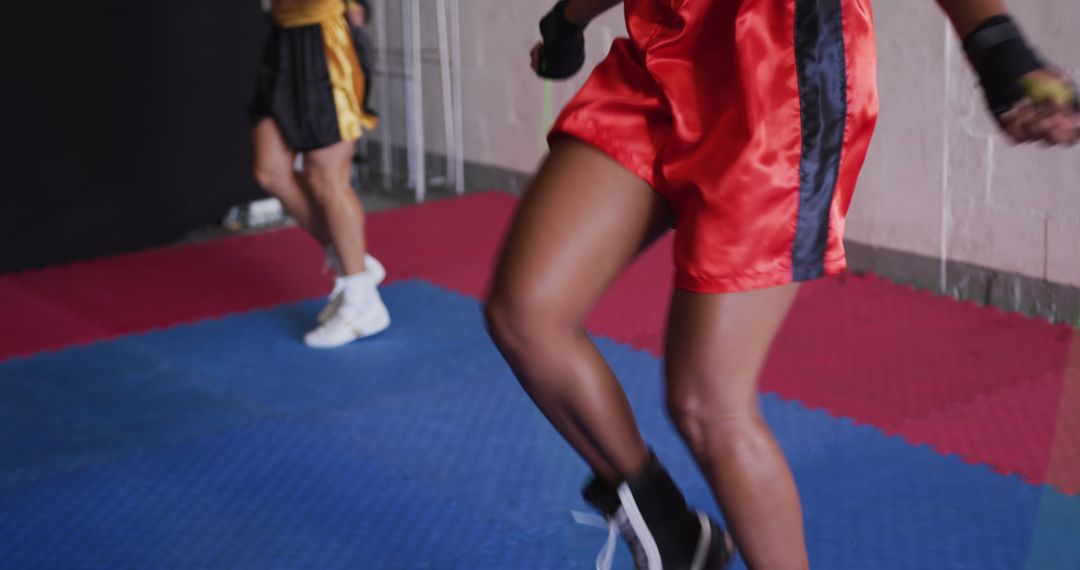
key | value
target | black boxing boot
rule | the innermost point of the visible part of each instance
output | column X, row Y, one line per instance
column 663, row 533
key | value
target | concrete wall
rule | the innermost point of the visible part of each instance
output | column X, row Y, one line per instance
column 939, row 181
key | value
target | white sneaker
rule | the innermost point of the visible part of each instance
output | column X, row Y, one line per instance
column 372, row 267
column 361, row 313
column 375, row 269
column 334, row 300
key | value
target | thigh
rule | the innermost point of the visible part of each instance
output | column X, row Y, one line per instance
column 717, row 345
column 270, row 152
column 331, row 162
column 582, row 220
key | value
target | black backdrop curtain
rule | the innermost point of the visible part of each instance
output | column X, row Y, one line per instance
column 124, row 122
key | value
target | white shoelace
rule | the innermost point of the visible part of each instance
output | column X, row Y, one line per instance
column 606, row 557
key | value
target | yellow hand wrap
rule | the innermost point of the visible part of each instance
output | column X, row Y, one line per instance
column 1047, row 90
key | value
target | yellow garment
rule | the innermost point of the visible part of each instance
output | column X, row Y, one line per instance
column 347, row 79
column 297, row 13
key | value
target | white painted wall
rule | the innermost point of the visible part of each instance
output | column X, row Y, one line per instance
column 939, row 181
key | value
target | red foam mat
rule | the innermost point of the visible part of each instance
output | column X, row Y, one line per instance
column 1031, row 429
column 83, row 302
column 450, row 242
column 967, row 380
column 1015, row 429
column 30, row 322
column 453, row 242
column 865, row 348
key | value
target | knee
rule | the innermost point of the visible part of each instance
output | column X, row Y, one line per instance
column 538, row 346
column 509, row 322
column 270, row 177
column 325, row 186
column 714, row 424
column 522, row 325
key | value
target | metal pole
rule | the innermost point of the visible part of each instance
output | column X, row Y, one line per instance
column 418, row 102
column 455, row 58
column 406, row 49
column 386, row 130
column 447, row 96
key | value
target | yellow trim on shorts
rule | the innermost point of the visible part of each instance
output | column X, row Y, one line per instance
column 347, row 79
column 297, row 14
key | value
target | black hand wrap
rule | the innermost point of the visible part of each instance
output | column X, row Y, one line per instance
column 1001, row 57
column 563, row 50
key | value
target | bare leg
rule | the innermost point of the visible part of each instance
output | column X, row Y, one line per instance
column 326, row 172
column 273, row 169
column 716, row 348
column 582, row 221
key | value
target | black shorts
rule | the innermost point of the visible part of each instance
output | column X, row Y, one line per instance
column 311, row 84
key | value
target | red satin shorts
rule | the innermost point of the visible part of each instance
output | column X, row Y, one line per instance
column 752, row 118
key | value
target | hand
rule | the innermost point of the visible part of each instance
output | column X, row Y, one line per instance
column 1047, row 113
column 561, row 52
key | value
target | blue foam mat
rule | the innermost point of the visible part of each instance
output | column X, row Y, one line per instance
column 227, row 444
